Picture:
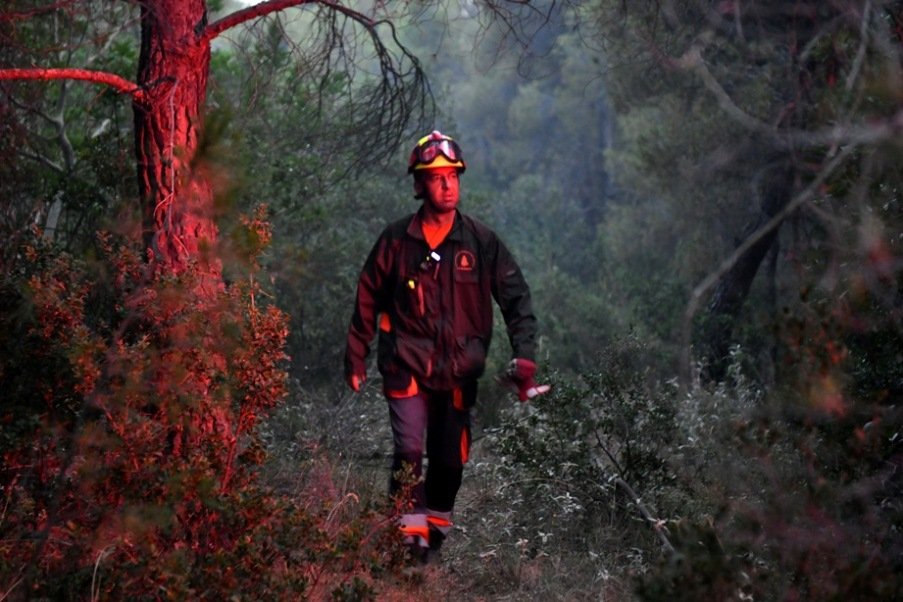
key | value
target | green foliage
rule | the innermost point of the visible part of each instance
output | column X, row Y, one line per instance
column 793, row 497
column 573, row 449
column 761, row 496
column 68, row 143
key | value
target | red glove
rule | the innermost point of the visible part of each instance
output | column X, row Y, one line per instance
column 519, row 377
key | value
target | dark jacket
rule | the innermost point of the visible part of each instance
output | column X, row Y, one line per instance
column 435, row 318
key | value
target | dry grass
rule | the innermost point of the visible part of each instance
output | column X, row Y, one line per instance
column 486, row 558
column 497, row 550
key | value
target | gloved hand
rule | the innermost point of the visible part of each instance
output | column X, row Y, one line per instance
column 356, row 381
column 519, row 376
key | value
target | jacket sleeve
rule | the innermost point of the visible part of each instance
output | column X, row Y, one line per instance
column 511, row 292
column 371, row 300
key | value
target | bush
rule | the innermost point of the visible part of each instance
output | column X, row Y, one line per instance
column 132, row 405
column 795, row 501
column 731, row 494
column 579, row 454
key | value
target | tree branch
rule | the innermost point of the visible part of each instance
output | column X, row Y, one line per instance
column 836, row 135
column 657, row 524
column 710, row 280
column 863, row 46
column 59, row 125
column 272, row 6
column 45, row 161
column 120, row 84
column 840, row 134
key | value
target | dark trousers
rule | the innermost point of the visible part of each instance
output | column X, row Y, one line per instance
column 438, row 421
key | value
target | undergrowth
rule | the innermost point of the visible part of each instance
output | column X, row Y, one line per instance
column 612, row 488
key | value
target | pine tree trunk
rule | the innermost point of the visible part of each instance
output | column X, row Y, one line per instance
column 733, row 288
column 175, row 191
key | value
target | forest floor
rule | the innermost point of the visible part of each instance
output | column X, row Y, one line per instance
column 505, row 546
column 484, row 561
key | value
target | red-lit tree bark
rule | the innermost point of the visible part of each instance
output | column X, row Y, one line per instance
column 172, row 71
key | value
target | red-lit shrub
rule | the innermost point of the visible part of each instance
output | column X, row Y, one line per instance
column 131, row 405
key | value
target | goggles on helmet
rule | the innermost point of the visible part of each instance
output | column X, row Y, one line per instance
column 431, row 149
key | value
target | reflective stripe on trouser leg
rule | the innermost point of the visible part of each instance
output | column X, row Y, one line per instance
column 440, row 521
column 415, row 529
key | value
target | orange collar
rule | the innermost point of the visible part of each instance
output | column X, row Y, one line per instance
column 434, row 235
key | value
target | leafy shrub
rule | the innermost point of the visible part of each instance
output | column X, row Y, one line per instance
column 794, row 499
column 579, row 454
column 780, row 496
column 132, row 405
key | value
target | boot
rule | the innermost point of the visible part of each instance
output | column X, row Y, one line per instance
column 434, row 551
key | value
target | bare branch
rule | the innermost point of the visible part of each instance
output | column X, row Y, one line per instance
column 863, row 46
column 272, row 6
column 657, row 524
column 59, row 124
column 120, row 84
column 386, row 92
column 693, row 60
column 246, row 14
column 872, row 132
column 46, row 162
column 60, row 137
column 520, row 23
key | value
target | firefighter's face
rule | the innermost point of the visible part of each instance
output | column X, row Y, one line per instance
column 441, row 188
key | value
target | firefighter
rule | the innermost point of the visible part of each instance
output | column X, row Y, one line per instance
column 426, row 290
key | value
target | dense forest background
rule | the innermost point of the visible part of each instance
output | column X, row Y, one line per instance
column 704, row 197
